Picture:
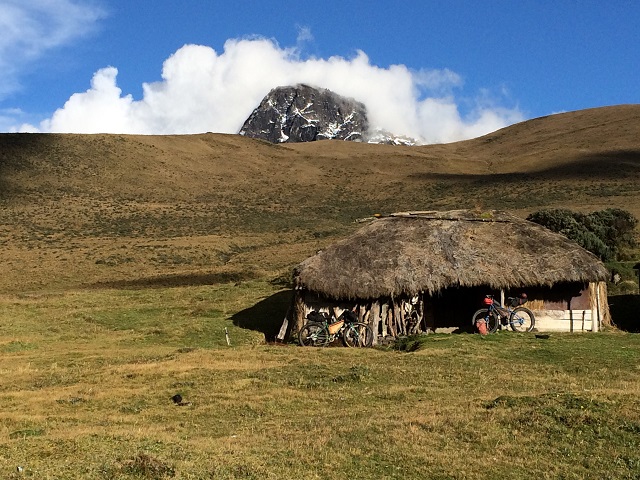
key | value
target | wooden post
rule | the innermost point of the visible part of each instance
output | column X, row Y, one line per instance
column 374, row 320
column 285, row 323
column 595, row 319
column 392, row 318
column 420, row 314
column 299, row 312
column 570, row 316
column 397, row 328
column 383, row 318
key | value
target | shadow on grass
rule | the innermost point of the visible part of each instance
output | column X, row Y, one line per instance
column 266, row 316
column 625, row 312
column 187, row 280
column 619, row 164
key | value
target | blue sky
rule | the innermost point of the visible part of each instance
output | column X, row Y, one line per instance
column 436, row 70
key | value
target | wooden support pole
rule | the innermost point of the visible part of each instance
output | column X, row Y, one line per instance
column 570, row 316
column 374, row 320
column 395, row 329
column 402, row 321
column 384, row 314
column 420, row 308
column 300, row 312
column 595, row 313
column 393, row 320
column 285, row 323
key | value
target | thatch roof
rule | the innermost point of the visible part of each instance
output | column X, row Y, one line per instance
column 430, row 251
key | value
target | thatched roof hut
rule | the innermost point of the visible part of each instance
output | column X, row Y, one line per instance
column 429, row 253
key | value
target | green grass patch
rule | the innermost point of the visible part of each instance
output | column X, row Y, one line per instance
column 94, row 400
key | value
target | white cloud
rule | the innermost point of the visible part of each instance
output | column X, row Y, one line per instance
column 100, row 109
column 437, row 79
column 203, row 90
column 304, row 35
column 32, row 28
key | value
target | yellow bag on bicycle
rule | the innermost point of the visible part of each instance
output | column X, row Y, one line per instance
column 335, row 326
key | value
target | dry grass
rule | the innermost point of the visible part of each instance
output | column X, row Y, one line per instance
column 126, row 257
column 76, row 210
column 88, row 379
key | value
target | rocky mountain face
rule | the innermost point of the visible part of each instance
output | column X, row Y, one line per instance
column 302, row 113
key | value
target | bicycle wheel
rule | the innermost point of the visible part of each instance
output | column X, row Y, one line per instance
column 490, row 317
column 313, row 335
column 494, row 322
column 522, row 320
column 413, row 322
column 357, row 335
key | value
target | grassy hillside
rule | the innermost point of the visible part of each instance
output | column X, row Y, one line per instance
column 85, row 210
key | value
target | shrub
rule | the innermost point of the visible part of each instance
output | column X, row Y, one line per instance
column 604, row 233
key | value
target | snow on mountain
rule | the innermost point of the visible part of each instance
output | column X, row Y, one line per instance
column 388, row 138
column 302, row 113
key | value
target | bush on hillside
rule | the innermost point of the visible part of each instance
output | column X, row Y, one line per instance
column 605, row 233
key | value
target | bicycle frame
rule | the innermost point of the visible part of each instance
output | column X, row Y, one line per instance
column 513, row 314
column 503, row 312
column 323, row 329
column 326, row 323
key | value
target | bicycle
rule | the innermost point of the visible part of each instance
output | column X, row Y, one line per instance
column 412, row 317
column 322, row 329
column 519, row 318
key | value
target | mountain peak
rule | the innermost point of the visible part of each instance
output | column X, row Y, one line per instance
column 302, row 113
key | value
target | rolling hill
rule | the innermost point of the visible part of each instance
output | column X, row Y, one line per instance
column 84, row 211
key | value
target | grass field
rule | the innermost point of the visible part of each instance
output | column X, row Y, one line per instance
column 88, row 376
column 126, row 259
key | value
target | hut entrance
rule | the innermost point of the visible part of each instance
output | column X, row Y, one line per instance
column 451, row 309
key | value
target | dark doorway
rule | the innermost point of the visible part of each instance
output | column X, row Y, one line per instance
column 624, row 312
